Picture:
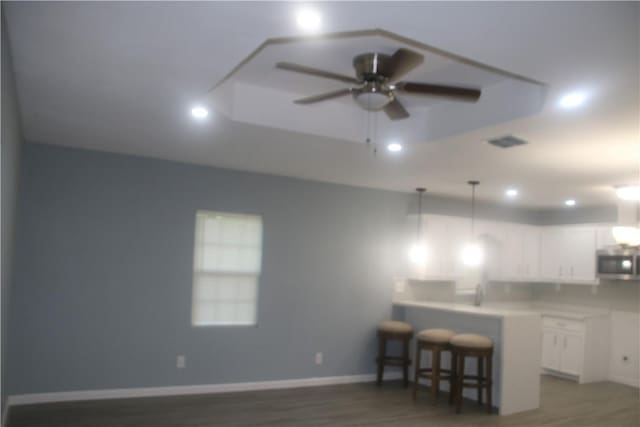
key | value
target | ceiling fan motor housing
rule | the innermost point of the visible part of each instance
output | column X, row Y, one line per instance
column 372, row 67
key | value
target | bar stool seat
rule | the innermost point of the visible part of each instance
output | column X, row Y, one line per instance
column 392, row 330
column 471, row 341
column 436, row 341
column 435, row 336
column 395, row 327
column 471, row 345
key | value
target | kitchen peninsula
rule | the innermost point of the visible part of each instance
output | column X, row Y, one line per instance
column 516, row 335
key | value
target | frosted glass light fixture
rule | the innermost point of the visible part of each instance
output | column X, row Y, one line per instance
column 418, row 251
column 473, row 255
column 473, row 252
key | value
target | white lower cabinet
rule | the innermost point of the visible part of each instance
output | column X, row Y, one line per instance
column 575, row 348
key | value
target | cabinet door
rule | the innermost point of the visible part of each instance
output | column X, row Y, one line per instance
column 436, row 244
column 493, row 236
column 551, row 254
column 458, row 235
column 604, row 237
column 550, row 350
column 571, row 354
column 530, row 252
column 580, row 246
column 512, row 252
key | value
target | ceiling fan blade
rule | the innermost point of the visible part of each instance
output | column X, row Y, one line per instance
column 403, row 61
column 324, row 96
column 395, row 110
column 455, row 92
column 315, row 72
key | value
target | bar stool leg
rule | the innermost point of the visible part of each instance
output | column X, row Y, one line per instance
column 416, row 373
column 435, row 373
column 480, row 379
column 381, row 355
column 460, row 382
column 405, row 362
column 452, row 378
column 489, row 378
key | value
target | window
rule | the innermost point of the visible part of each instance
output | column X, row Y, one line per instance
column 226, row 268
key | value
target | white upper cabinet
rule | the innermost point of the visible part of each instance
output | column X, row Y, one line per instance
column 530, row 252
column 567, row 254
column 513, row 252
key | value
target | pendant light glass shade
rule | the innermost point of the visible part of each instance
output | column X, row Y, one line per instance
column 473, row 252
column 418, row 253
column 418, row 250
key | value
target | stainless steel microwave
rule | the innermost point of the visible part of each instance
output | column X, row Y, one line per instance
column 618, row 263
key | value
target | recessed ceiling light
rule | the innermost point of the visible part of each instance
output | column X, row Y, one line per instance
column 628, row 192
column 199, row 112
column 308, row 20
column 394, row 147
column 511, row 192
column 573, row 100
column 570, row 202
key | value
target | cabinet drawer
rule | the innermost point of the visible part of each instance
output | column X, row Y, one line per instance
column 564, row 324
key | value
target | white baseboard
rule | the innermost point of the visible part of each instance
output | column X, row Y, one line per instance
column 633, row 382
column 125, row 393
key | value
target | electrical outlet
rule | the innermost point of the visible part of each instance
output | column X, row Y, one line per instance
column 181, row 361
column 319, row 358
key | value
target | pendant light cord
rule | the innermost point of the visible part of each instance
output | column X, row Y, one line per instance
column 473, row 185
column 419, row 215
column 420, row 193
column 473, row 209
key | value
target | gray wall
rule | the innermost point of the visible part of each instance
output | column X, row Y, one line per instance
column 103, row 274
column 11, row 141
column 578, row 215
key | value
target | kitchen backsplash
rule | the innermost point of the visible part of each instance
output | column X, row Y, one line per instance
column 621, row 296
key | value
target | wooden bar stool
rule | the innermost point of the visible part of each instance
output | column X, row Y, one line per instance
column 392, row 330
column 471, row 345
column 436, row 341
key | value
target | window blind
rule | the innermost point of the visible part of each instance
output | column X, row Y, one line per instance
column 226, row 268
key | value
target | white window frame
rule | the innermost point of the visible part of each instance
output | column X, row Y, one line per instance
column 200, row 272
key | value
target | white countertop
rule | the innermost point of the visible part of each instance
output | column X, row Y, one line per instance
column 487, row 311
column 500, row 311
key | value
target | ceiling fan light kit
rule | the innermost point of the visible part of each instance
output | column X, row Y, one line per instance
column 377, row 84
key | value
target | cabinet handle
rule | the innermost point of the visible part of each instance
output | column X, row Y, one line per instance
column 555, row 340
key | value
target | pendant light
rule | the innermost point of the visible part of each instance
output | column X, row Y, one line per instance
column 418, row 251
column 473, row 253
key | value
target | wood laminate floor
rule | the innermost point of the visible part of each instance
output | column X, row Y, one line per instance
column 564, row 403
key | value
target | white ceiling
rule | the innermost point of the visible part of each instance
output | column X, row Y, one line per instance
column 257, row 92
column 122, row 77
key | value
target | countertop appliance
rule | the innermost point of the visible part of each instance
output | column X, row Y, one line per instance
column 618, row 263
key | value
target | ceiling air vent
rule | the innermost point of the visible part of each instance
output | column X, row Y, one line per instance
column 507, row 141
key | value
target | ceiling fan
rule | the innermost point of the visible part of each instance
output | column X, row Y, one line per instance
column 377, row 84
